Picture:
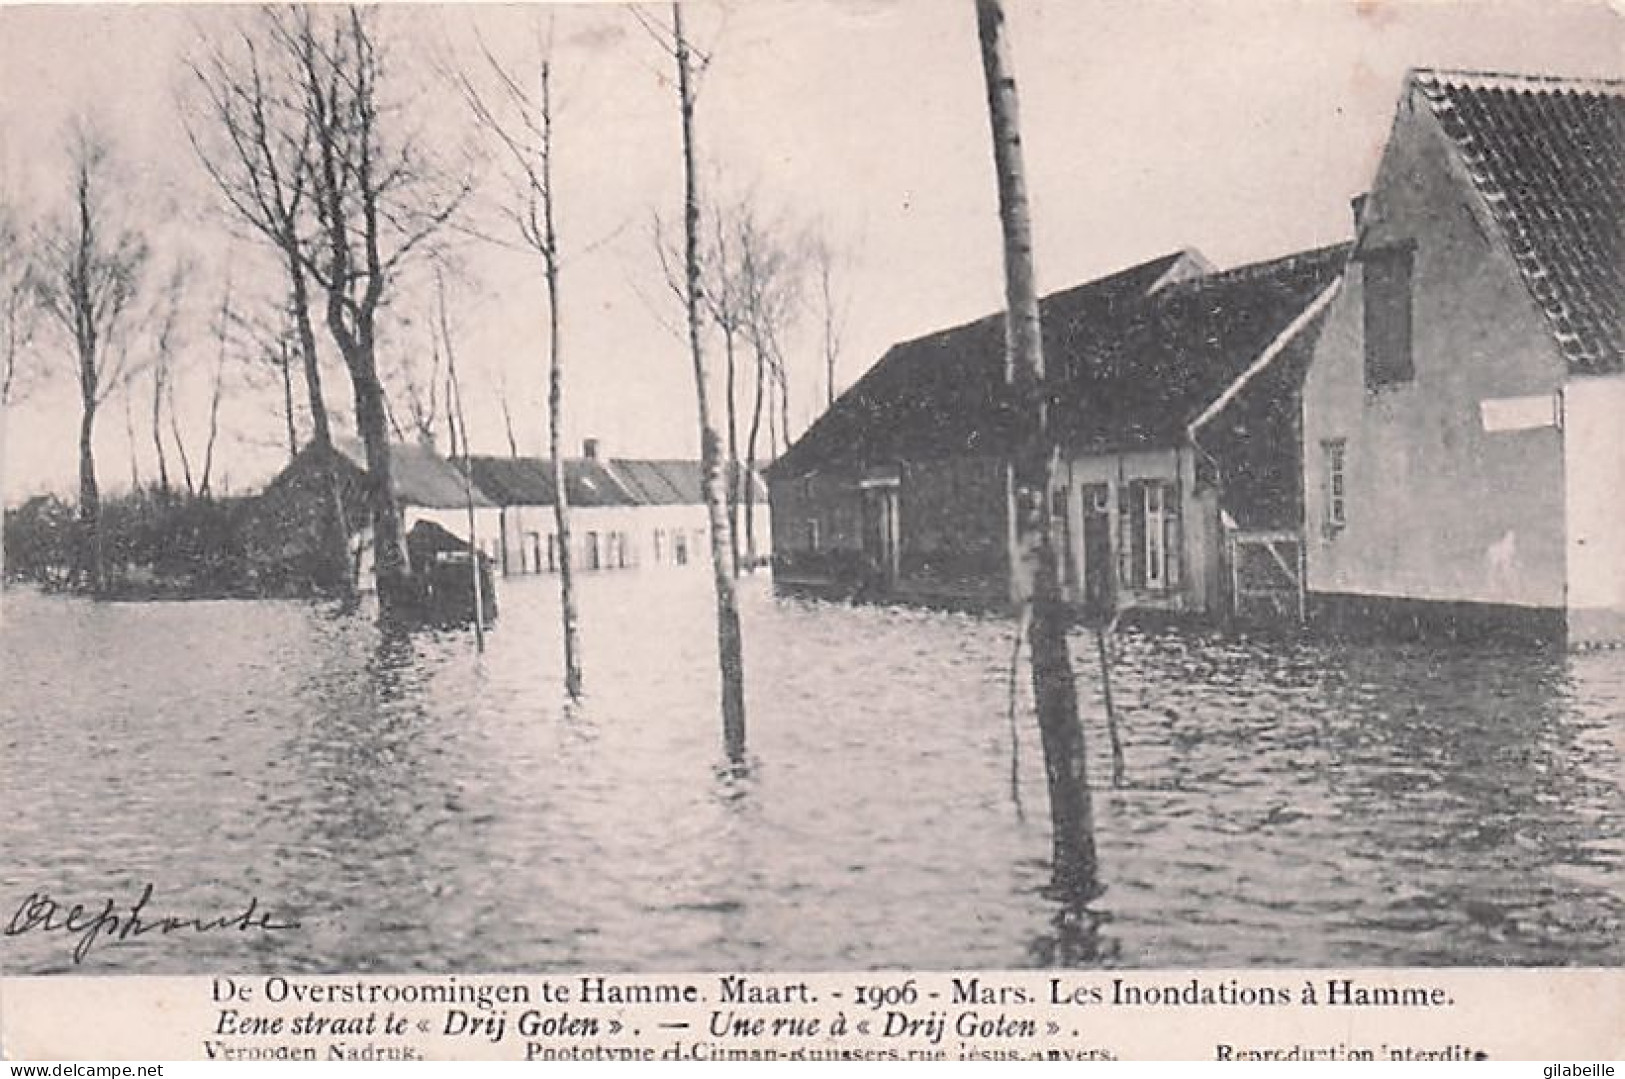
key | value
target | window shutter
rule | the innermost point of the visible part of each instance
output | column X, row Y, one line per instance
column 1172, row 534
column 1136, row 519
column 1125, row 536
column 1386, row 283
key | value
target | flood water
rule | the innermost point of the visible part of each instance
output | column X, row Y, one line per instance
column 417, row 807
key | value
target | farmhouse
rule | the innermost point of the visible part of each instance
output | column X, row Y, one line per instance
column 1464, row 411
column 1175, row 400
column 625, row 512
column 288, row 514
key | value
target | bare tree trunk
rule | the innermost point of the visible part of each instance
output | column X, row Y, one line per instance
column 214, row 397
column 724, row 309
column 91, row 555
column 784, row 406
column 730, row 644
column 458, row 424
column 159, row 377
column 129, row 434
column 568, row 614
column 730, row 346
column 507, row 425
column 831, row 344
column 180, row 443
column 750, row 454
column 285, row 364
column 1035, row 564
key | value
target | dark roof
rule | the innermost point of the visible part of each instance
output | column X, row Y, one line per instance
column 421, row 477
column 1547, row 155
column 1182, row 348
column 1134, row 358
column 669, row 483
column 945, row 393
column 528, row 481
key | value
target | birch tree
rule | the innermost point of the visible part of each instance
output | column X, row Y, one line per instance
column 1036, row 559
column 19, row 305
column 255, row 139
column 379, row 198
column 730, row 642
column 523, row 126
column 92, row 262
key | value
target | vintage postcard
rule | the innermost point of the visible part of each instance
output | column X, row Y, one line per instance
column 865, row 529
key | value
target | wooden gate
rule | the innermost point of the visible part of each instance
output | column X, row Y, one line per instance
column 1268, row 578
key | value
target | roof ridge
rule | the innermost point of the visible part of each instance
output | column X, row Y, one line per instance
column 1513, row 80
column 1262, row 268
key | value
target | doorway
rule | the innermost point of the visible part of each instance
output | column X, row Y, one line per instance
column 881, row 534
column 1097, row 549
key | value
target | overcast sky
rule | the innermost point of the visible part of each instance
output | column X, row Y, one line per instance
column 1239, row 128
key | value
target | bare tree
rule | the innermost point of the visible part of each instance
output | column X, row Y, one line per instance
column 378, row 199
column 524, row 129
column 833, row 311
column 1035, row 561
column 423, row 401
column 770, row 284
column 257, row 146
column 92, row 263
column 457, row 421
column 721, row 286
column 167, row 319
column 19, row 305
column 507, row 414
column 730, row 639
column 223, row 324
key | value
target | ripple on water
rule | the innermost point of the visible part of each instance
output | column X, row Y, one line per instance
column 423, row 808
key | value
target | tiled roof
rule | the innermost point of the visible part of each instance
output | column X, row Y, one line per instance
column 1547, row 155
column 528, row 481
column 421, row 476
column 945, row 393
column 1134, row 357
column 1187, row 343
column 669, row 483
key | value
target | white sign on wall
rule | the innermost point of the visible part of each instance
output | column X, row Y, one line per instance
column 1521, row 413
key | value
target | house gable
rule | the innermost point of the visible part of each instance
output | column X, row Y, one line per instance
column 1546, row 159
column 1432, row 502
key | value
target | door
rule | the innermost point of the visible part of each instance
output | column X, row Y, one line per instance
column 880, row 535
column 1097, row 548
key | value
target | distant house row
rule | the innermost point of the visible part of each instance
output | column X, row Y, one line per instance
column 624, row 513
column 1423, row 428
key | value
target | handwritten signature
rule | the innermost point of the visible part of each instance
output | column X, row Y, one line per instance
column 40, row 911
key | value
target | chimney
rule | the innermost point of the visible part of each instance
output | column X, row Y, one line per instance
column 1357, row 205
column 589, row 448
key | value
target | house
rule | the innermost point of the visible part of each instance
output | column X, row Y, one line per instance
column 426, row 486
column 624, row 512
column 603, row 519
column 675, row 520
column 1174, row 400
column 1464, row 411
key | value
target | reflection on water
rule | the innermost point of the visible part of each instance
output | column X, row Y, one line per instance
column 419, row 807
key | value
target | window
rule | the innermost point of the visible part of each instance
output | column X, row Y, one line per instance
column 660, row 545
column 592, row 551
column 1148, row 538
column 1386, row 276
column 1333, row 453
column 679, row 547
column 1156, row 550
